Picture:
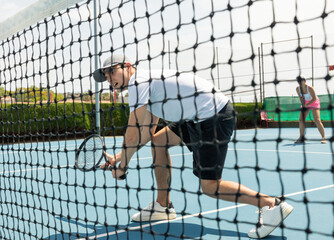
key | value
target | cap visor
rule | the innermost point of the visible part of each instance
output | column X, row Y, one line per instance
column 98, row 76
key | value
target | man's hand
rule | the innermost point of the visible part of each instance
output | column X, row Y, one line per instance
column 119, row 173
column 111, row 160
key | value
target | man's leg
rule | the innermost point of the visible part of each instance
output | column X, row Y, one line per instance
column 209, row 160
column 273, row 211
column 235, row 192
column 161, row 209
column 162, row 140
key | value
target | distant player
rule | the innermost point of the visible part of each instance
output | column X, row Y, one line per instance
column 310, row 101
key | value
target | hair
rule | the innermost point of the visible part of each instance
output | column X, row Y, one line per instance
column 300, row 79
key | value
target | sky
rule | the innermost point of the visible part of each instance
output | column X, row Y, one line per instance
column 11, row 7
column 285, row 65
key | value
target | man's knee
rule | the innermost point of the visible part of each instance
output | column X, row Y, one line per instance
column 166, row 138
column 210, row 187
column 158, row 145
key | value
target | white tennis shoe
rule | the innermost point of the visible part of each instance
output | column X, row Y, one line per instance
column 153, row 212
column 270, row 218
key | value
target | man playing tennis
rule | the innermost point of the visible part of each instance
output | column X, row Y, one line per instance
column 201, row 117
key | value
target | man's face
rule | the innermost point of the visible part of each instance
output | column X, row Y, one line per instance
column 116, row 76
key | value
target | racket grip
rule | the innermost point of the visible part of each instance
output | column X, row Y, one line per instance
column 123, row 176
column 125, row 169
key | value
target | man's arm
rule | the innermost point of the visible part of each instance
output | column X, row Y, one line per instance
column 141, row 127
column 147, row 131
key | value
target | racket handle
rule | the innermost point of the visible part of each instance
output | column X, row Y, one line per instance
column 123, row 176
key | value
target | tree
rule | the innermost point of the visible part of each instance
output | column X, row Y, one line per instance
column 105, row 96
column 2, row 92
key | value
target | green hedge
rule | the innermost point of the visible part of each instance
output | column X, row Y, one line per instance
column 72, row 119
column 114, row 118
column 44, row 120
column 247, row 114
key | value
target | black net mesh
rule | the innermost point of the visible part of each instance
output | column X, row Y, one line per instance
column 48, row 106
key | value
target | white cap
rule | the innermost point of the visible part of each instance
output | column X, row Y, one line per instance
column 114, row 60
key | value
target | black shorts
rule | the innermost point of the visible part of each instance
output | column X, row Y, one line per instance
column 208, row 140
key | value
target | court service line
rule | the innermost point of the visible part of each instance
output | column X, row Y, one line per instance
column 230, row 149
column 178, row 155
column 279, row 151
column 70, row 166
column 310, row 190
column 197, row 214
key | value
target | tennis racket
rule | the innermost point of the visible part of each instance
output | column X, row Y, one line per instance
column 90, row 153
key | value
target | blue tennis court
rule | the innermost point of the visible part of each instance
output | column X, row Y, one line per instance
column 43, row 197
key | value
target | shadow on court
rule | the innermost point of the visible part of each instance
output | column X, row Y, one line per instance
column 295, row 144
column 144, row 231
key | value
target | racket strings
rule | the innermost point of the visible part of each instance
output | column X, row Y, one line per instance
column 91, row 152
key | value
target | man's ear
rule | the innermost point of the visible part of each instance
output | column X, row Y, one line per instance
column 127, row 66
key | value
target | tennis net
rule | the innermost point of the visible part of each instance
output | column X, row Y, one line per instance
column 50, row 103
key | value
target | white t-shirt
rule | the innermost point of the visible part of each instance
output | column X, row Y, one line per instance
column 174, row 98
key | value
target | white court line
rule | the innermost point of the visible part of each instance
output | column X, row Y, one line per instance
column 279, row 151
column 119, row 140
column 270, row 134
column 34, row 169
column 56, row 148
column 253, row 149
column 70, row 166
column 177, row 155
column 196, row 214
column 46, row 150
column 310, row 190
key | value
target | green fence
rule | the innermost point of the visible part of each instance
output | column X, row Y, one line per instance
column 288, row 108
